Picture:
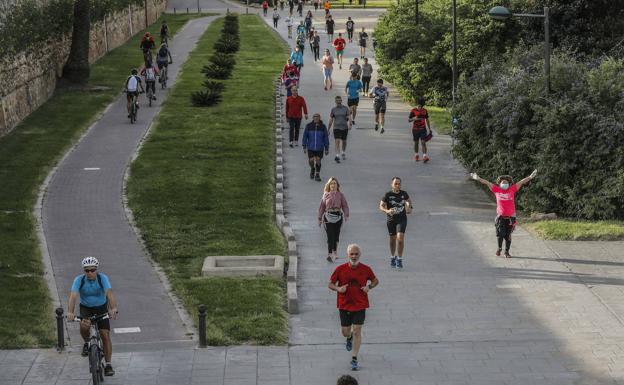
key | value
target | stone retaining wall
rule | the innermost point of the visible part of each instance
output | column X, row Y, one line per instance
column 28, row 79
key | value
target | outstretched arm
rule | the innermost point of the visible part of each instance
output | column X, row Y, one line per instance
column 476, row 177
column 526, row 180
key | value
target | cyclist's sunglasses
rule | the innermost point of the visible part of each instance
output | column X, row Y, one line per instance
column 89, row 270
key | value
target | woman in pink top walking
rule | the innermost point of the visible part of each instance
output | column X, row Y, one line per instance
column 505, row 191
column 331, row 213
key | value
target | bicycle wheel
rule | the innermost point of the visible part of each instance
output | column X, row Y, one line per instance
column 95, row 362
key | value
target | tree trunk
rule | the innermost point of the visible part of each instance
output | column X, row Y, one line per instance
column 77, row 69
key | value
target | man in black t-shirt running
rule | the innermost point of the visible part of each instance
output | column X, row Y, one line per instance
column 396, row 204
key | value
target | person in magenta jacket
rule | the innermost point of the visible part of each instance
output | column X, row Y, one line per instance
column 505, row 192
column 332, row 212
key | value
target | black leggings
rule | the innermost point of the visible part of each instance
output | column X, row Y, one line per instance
column 317, row 54
column 295, row 125
column 504, row 227
column 366, row 83
column 349, row 35
column 333, row 234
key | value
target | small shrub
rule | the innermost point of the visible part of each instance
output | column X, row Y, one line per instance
column 214, row 71
column 205, row 98
column 227, row 44
column 223, row 60
column 231, row 28
column 214, row 85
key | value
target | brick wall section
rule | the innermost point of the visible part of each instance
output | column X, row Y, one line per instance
column 29, row 79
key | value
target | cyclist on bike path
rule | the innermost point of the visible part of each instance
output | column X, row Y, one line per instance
column 96, row 297
column 164, row 32
column 133, row 84
column 163, row 58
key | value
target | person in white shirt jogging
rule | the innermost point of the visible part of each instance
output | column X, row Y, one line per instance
column 380, row 93
column 133, row 84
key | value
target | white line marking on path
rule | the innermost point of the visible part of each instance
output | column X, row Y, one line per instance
column 127, row 330
column 91, row 168
column 439, row 213
column 512, row 286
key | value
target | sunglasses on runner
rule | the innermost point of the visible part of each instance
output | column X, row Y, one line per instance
column 89, row 270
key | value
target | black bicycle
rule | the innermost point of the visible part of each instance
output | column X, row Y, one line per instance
column 96, row 351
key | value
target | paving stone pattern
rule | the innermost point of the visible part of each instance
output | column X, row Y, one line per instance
column 455, row 315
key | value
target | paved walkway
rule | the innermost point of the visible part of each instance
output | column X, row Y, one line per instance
column 83, row 214
column 455, row 315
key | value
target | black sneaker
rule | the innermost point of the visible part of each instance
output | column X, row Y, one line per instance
column 376, row 126
column 85, row 350
column 337, row 159
column 109, row 371
column 311, row 174
column 317, row 177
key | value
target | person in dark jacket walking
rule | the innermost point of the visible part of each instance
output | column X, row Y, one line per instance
column 315, row 143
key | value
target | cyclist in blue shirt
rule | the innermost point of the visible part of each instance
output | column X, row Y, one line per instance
column 353, row 88
column 96, row 297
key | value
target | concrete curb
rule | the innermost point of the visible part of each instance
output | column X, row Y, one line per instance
column 280, row 215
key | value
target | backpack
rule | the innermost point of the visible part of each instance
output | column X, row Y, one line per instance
column 84, row 277
column 150, row 74
column 162, row 52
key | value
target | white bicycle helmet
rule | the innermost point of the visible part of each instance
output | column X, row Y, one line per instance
column 90, row 261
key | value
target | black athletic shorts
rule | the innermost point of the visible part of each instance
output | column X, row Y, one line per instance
column 348, row 318
column 353, row 102
column 86, row 311
column 420, row 134
column 162, row 64
column 380, row 107
column 397, row 225
column 340, row 134
column 312, row 154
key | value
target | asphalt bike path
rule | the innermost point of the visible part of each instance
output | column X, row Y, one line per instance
column 83, row 214
column 456, row 313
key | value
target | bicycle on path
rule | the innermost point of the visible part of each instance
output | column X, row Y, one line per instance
column 132, row 89
column 163, row 59
column 96, row 351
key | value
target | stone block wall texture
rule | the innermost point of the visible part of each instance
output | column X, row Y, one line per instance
column 28, row 79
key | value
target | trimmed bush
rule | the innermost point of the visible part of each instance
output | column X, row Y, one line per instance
column 205, row 98
column 214, row 71
column 214, row 85
column 223, row 60
column 574, row 135
column 227, row 44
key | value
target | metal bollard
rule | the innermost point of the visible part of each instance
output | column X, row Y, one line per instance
column 187, row 11
column 60, row 331
column 174, row 11
column 202, row 326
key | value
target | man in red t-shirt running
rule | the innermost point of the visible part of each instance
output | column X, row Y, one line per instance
column 352, row 281
column 420, row 128
column 339, row 44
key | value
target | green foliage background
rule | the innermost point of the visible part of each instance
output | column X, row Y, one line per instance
column 30, row 24
column 574, row 135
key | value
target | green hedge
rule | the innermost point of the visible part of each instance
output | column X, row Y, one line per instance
column 574, row 135
column 30, row 24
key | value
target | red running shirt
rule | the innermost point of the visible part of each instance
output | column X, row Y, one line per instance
column 354, row 299
column 420, row 123
column 505, row 200
column 340, row 44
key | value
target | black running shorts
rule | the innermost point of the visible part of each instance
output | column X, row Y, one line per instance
column 380, row 107
column 86, row 311
column 348, row 318
column 397, row 225
column 340, row 134
column 312, row 154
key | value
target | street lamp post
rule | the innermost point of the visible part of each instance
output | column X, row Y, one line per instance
column 454, row 67
column 502, row 13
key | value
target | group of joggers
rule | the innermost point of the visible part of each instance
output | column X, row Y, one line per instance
column 353, row 280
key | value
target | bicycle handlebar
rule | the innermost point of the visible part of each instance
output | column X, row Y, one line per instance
column 93, row 318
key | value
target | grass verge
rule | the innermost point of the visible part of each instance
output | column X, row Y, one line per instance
column 570, row 230
column 440, row 119
column 203, row 185
column 26, row 156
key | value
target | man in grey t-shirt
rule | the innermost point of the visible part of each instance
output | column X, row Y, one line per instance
column 367, row 72
column 340, row 119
